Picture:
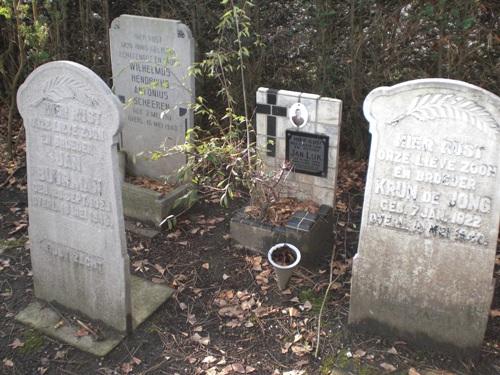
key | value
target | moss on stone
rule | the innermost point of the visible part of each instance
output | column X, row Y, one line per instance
column 33, row 341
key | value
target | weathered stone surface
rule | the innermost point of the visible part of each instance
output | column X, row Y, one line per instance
column 310, row 233
column 146, row 298
column 150, row 206
column 45, row 319
column 311, row 141
column 150, row 59
column 429, row 229
column 78, row 247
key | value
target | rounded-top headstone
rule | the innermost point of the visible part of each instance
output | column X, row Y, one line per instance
column 78, row 246
column 429, row 229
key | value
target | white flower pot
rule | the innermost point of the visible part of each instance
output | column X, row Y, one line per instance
column 283, row 272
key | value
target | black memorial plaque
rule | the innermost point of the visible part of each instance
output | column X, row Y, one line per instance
column 307, row 152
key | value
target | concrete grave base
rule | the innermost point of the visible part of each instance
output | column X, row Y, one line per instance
column 146, row 298
column 141, row 230
column 312, row 234
column 150, row 206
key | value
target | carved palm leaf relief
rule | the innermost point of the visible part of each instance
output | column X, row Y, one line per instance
column 63, row 88
column 435, row 106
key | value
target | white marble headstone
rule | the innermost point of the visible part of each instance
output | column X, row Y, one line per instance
column 76, row 229
column 150, row 58
column 305, row 130
column 429, row 229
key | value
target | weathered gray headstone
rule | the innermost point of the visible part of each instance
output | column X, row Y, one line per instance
column 78, row 247
column 150, row 60
column 429, row 229
column 77, row 234
column 303, row 129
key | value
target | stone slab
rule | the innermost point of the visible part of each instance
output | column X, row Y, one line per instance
column 147, row 297
column 44, row 319
column 310, row 142
column 150, row 58
column 428, row 237
column 311, row 234
column 150, row 206
column 76, row 226
column 141, row 231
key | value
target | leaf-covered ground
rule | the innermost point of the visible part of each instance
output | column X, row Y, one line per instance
column 227, row 315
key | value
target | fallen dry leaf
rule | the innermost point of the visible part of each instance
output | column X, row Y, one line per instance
column 495, row 313
column 7, row 362
column 174, row 235
column 206, row 266
column 412, row 371
column 191, row 319
column 82, row 332
column 60, row 354
column 209, row 359
column 238, row 367
column 126, row 368
column 297, row 338
column 294, row 372
column 359, row 353
column 307, row 306
column 392, row 350
column 198, row 329
column 200, row 340
column 388, row 367
column 292, row 312
column 286, row 347
column 300, row 349
column 16, row 344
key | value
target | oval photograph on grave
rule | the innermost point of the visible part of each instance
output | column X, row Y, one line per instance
column 298, row 115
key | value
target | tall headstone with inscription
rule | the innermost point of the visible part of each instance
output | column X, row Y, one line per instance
column 303, row 129
column 150, row 59
column 78, row 245
column 429, row 229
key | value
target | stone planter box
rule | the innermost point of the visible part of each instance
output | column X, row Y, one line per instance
column 150, row 206
column 147, row 205
column 311, row 233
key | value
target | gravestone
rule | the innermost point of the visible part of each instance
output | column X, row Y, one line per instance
column 303, row 129
column 423, row 271
column 150, row 58
column 76, row 229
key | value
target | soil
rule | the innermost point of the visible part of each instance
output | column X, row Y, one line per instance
column 284, row 256
column 227, row 315
column 149, row 183
column 278, row 213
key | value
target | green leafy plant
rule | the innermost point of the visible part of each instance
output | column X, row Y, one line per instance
column 221, row 155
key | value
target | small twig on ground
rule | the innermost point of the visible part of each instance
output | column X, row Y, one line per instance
column 10, row 176
column 68, row 322
column 86, row 327
column 332, row 281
